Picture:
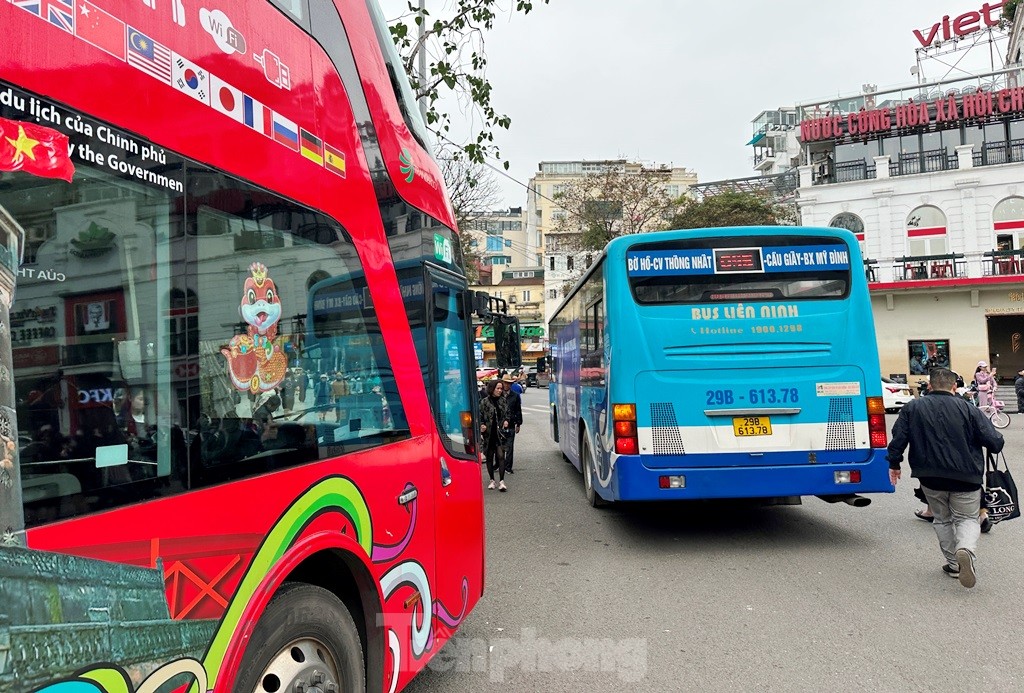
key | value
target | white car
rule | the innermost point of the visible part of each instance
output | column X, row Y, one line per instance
column 895, row 395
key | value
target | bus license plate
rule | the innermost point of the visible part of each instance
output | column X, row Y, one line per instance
column 744, row 426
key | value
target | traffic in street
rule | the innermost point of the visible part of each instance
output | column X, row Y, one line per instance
column 725, row 596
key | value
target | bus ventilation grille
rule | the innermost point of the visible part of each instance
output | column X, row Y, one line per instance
column 840, row 435
column 665, row 430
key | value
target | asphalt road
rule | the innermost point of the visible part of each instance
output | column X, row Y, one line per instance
column 714, row 597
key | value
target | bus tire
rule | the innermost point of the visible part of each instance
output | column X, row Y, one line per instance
column 588, row 479
column 306, row 635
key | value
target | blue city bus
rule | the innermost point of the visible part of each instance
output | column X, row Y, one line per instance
column 721, row 363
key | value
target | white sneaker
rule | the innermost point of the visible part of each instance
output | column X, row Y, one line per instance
column 490, row 486
column 502, row 487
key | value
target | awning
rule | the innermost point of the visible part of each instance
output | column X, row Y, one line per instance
column 757, row 138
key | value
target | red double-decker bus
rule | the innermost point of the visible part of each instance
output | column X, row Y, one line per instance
column 241, row 353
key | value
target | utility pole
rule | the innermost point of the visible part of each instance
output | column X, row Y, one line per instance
column 422, row 57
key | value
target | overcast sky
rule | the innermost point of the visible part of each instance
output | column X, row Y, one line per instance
column 678, row 82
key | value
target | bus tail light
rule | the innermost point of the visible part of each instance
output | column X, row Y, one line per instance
column 876, row 422
column 466, row 420
column 624, row 427
column 672, row 481
column 848, row 477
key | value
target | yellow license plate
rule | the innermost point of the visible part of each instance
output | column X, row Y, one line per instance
column 744, row 426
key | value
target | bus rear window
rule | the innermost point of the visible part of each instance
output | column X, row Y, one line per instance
column 710, row 270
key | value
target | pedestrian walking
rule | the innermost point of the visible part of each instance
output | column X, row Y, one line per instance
column 515, row 416
column 339, row 393
column 946, row 435
column 322, row 397
column 1018, row 388
column 288, row 391
column 494, row 430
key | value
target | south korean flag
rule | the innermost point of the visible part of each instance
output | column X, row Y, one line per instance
column 189, row 78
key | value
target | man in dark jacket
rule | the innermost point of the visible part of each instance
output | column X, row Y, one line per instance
column 946, row 434
column 1018, row 387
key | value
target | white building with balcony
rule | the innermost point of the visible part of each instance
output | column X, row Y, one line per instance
column 930, row 178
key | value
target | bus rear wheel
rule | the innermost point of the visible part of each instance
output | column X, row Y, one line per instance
column 306, row 636
column 588, row 479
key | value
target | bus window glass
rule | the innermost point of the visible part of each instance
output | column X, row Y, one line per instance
column 291, row 361
column 453, row 394
column 399, row 81
column 719, row 270
column 296, row 9
column 99, row 423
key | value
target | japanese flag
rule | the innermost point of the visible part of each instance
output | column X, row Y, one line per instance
column 226, row 99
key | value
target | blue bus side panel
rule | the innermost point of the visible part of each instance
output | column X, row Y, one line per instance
column 567, row 390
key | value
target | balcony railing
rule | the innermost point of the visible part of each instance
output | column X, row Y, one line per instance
column 932, row 161
column 927, row 268
column 994, row 153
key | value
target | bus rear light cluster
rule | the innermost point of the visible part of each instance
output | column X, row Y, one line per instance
column 851, row 476
column 466, row 421
column 876, row 422
column 672, row 481
column 624, row 427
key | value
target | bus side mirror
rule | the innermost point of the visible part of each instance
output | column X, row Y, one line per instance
column 506, row 342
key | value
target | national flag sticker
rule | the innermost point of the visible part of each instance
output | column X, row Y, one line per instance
column 312, row 147
column 100, row 28
column 334, row 160
column 285, row 132
column 257, row 116
column 189, row 78
column 147, row 55
column 226, row 99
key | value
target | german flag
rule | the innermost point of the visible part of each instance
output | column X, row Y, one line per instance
column 312, row 147
column 334, row 161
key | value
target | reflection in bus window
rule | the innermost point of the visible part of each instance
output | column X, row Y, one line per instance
column 127, row 391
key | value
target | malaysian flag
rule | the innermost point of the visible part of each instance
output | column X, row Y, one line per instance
column 60, row 13
column 149, row 56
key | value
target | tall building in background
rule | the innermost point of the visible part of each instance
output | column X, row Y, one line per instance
column 776, row 147
column 563, row 264
column 509, row 269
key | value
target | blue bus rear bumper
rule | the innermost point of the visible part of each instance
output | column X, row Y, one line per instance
column 633, row 481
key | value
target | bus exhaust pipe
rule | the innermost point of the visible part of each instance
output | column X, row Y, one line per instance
column 850, row 499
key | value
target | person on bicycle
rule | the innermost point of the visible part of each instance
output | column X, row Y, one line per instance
column 986, row 384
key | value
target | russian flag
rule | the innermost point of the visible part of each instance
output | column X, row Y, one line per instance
column 286, row 132
column 257, row 116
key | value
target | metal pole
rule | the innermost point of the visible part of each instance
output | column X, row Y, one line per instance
column 422, row 57
column 12, row 515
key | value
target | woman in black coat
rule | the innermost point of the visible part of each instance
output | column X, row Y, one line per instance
column 494, row 430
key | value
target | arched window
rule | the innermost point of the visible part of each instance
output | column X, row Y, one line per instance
column 849, row 221
column 926, row 231
column 1008, row 223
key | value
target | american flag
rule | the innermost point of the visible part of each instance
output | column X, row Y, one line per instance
column 149, row 56
column 60, row 13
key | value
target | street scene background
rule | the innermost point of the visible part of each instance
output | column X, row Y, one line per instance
column 726, row 597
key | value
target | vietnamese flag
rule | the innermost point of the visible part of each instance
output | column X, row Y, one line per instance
column 34, row 149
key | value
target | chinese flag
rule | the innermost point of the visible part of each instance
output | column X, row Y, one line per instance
column 34, row 149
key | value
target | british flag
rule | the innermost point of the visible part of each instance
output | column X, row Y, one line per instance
column 60, row 13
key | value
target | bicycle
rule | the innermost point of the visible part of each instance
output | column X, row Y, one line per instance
column 994, row 411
